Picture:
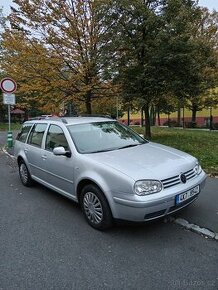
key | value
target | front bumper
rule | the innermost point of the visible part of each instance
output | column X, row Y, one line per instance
column 135, row 208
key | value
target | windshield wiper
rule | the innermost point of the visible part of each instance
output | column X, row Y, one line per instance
column 112, row 149
column 99, row 151
column 128, row 146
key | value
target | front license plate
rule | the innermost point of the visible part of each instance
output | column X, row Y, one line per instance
column 186, row 195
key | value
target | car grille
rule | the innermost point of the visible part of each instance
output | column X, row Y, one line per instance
column 172, row 181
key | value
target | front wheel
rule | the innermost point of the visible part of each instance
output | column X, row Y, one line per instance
column 24, row 174
column 95, row 207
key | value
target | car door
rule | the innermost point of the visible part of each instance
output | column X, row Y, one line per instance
column 60, row 169
column 34, row 152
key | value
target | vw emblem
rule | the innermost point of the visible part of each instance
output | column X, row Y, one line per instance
column 183, row 178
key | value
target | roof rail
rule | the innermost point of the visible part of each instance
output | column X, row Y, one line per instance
column 64, row 120
column 48, row 117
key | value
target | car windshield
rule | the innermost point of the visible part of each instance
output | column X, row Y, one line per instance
column 103, row 136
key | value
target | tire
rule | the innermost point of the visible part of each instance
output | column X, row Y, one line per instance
column 95, row 208
column 24, row 174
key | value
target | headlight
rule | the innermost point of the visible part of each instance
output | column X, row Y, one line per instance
column 144, row 187
column 197, row 169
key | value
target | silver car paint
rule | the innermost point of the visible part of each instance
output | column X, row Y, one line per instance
column 115, row 172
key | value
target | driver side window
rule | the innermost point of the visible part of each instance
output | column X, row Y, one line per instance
column 55, row 138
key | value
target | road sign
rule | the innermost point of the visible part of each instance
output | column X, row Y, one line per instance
column 8, row 85
column 8, row 99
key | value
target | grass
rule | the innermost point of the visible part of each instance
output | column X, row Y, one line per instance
column 201, row 144
column 14, row 126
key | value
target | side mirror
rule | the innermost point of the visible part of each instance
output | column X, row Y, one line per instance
column 60, row 151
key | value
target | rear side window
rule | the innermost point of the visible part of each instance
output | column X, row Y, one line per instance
column 24, row 132
column 36, row 134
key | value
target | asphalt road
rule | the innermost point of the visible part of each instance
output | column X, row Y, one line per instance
column 45, row 243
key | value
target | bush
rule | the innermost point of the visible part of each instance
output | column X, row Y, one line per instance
column 191, row 125
column 136, row 123
column 215, row 126
column 171, row 123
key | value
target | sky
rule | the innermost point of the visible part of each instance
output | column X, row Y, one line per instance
column 210, row 4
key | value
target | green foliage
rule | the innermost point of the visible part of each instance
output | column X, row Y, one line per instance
column 158, row 51
column 14, row 126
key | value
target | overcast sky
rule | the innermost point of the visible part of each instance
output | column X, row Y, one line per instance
column 211, row 4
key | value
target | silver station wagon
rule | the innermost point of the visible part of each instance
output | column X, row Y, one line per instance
column 107, row 168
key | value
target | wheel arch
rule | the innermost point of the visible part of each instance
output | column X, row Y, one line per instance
column 22, row 158
column 107, row 214
column 19, row 159
column 105, row 192
column 82, row 183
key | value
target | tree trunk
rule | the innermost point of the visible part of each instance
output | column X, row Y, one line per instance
column 152, row 116
column 179, row 114
column 128, row 116
column 158, row 116
column 88, row 103
column 183, row 117
column 142, row 117
column 194, row 112
column 147, row 122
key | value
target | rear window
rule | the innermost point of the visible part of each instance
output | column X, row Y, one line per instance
column 22, row 136
column 36, row 134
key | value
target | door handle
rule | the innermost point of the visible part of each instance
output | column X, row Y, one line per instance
column 44, row 157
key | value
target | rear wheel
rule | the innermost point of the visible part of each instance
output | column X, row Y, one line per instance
column 24, row 174
column 95, row 207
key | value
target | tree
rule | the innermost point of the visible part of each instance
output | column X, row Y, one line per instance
column 205, row 35
column 133, row 28
column 32, row 66
column 58, row 43
column 191, row 53
column 165, row 105
column 155, row 53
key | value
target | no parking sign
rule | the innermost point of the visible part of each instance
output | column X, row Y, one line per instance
column 8, row 85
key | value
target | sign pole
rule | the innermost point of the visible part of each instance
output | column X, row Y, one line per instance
column 10, row 135
column 9, row 118
column 8, row 87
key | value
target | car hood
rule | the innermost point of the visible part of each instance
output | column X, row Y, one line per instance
column 146, row 161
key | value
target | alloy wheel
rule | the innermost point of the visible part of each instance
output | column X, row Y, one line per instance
column 93, row 208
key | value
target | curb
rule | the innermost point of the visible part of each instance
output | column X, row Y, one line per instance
column 195, row 228
column 7, row 153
